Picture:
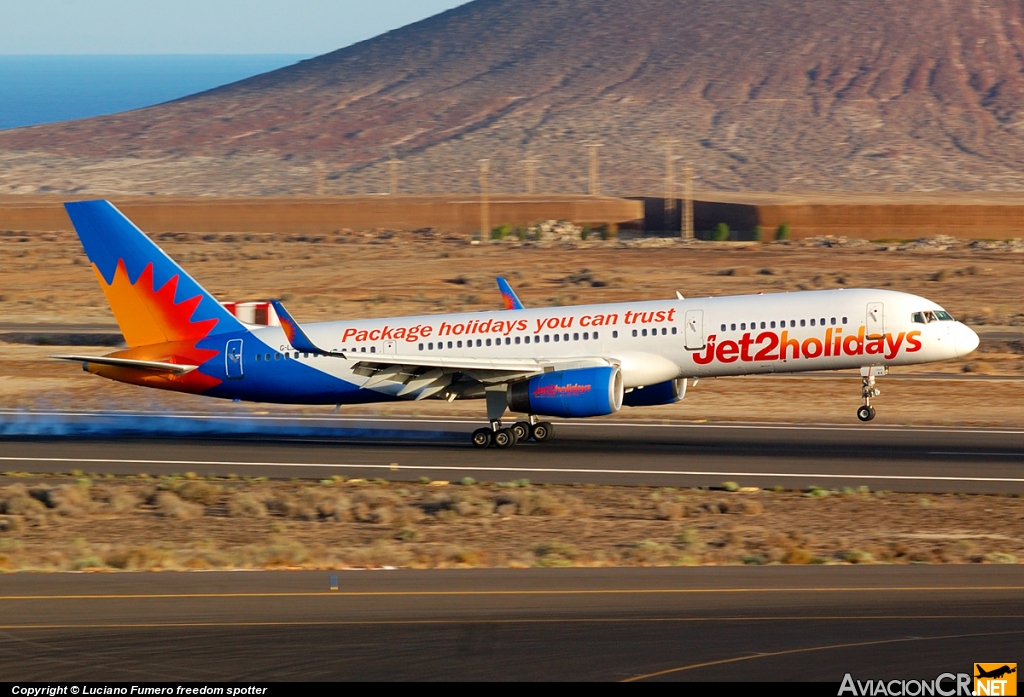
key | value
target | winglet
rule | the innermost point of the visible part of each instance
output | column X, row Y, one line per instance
column 509, row 296
column 296, row 337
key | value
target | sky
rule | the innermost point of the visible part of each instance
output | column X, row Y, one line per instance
column 309, row 27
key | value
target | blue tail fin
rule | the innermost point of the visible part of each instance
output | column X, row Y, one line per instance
column 153, row 299
column 509, row 296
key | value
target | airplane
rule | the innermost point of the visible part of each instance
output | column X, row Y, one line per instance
column 996, row 673
column 567, row 362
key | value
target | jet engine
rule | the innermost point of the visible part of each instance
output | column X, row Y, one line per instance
column 668, row 392
column 569, row 393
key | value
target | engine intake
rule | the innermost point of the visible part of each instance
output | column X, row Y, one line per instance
column 668, row 392
column 569, row 393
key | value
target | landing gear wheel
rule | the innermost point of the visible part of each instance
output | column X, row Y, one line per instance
column 866, row 413
column 542, row 432
column 504, row 438
column 522, row 430
column 482, row 437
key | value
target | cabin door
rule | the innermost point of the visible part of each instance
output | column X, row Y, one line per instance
column 391, row 347
column 233, row 360
column 875, row 324
column 694, row 330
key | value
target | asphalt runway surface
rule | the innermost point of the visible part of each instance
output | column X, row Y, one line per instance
column 728, row 623
column 682, row 454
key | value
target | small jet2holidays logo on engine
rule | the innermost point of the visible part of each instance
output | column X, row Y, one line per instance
column 945, row 685
column 573, row 390
column 995, row 679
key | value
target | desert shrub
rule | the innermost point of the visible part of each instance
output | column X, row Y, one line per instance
column 170, row 505
column 138, row 559
column 1000, row 558
column 670, row 510
column 720, row 233
column 379, row 507
column 798, row 555
column 585, row 232
column 500, row 232
column 246, row 505
column 750, row 507
column 16, row 500
column 198, row 491
column 688, row 538
column 67, row 499
column 782, row 232
column 11, row 523
column 555, row 554
column 857, row 556
column 407, row 534
column 119, row 499
column 731, row 486
column 758, row 233
column 651, row 552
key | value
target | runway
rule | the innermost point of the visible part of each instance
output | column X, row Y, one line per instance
column 767, row 623
column 605, row 452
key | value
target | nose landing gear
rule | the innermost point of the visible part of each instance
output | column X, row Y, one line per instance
column 869, row 391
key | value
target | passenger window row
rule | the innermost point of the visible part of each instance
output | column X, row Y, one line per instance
column 782, row 324
column 480, row 343
column 654, row 331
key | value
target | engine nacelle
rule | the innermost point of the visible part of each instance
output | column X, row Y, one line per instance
column 569, row 393
column 668, row 392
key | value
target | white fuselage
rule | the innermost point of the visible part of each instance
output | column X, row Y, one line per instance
column 655, row 341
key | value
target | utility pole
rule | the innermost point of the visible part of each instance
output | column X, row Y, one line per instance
column 670, row 183
column 531, row 175
column 394, row 163
column 687, row 202
column 321, row 177
column 485, row 213
column 595, row 183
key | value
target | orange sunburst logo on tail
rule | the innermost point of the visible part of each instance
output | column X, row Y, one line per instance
column 148, row 315
column 157, row 329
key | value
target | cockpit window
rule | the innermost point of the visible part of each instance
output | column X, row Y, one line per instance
column 931, row 316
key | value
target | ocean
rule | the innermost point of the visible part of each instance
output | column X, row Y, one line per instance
column 44, row 89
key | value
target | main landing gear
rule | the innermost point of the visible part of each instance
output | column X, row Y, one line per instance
column 502, row 438
column 869, row 391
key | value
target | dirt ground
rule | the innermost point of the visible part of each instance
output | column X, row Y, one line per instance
column 46, row 279
column 85, row 522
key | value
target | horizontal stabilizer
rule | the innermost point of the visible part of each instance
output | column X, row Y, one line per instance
column 155, row 366
column 296, row 337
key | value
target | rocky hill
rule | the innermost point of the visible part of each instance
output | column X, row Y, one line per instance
column 762, row 95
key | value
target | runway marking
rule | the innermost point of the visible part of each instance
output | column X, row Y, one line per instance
column 610, row 591
column 790, row 652
column 564, row 620
column 766, row 425
column 534, row 470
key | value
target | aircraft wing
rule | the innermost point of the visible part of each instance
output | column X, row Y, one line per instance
column 424, row 376
column 156, row 366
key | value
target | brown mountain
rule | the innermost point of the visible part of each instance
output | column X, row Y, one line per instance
column 768, row 95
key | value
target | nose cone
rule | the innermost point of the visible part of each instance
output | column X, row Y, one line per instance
column 966, row 340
